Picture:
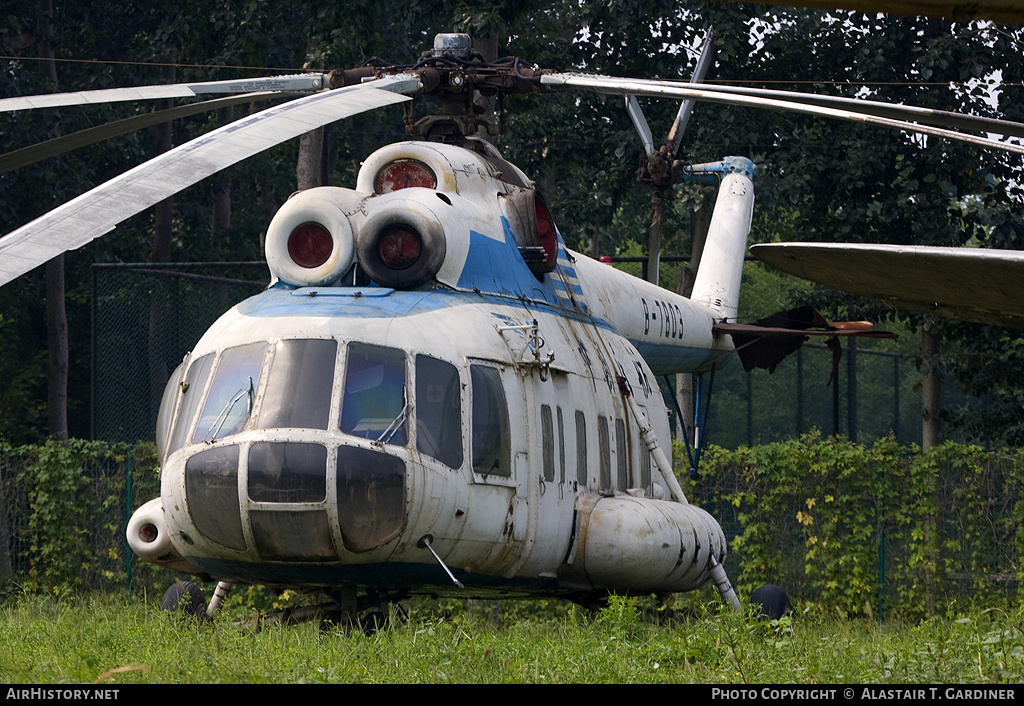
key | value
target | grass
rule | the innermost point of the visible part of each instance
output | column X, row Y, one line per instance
column 124, row 639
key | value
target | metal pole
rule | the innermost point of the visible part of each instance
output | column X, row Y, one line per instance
column 896, row 398
column 851, row 389
column 835, row 407
column 800, row 390
column 129, row 501
column 750, row 409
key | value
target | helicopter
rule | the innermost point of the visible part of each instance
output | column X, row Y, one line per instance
column 434, row 394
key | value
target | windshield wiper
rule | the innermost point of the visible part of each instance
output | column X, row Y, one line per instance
column 397, row 422
column 218, row 423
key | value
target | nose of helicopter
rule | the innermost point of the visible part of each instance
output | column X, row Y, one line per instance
column 287, row 501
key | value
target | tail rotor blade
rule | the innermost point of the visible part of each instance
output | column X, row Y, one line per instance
column 640, row 122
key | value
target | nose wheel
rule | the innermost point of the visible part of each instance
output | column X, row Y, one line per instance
column 186, row 599
column 772, row 601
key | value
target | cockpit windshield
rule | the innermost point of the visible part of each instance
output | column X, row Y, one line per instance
column 375, row 399
column 232, row 393
column 378, row 401
column 299, row 385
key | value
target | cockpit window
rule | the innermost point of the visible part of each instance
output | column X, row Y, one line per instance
column 232, row 393
column 287, row 472
column 299, row 385
column 191, row 396
column 492, row 442
column 375, row 399
column 438, row 410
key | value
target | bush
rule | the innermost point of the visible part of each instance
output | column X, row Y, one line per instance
column 867, row 528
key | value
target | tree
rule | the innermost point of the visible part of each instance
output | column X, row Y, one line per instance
column 818, row 180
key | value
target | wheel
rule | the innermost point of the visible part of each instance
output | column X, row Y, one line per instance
column 772, row 601
column 185, row 598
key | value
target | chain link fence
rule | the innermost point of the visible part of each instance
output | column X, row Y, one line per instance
column 63, row 512
column 145, row 319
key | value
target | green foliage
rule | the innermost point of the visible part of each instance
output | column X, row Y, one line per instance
column 119, row 639
column 858, row 529
column 65, row 512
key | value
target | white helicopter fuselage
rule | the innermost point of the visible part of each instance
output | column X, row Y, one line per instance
column 465, row 423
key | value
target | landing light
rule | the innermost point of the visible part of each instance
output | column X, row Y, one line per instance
column 399, row 246
column 148, row 533
column 310, row 244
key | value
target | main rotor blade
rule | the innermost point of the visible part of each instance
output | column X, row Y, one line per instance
column 900, row 111
column 972, row 284
column 66, row 143
column 296, row 83
column 636, row 113
column 675, row 133
column 98, row 211
column 625, row 86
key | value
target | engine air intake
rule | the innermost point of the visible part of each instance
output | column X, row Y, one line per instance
column 310, row 241
column 310, row 244
column 401, row 244
column 404, row 174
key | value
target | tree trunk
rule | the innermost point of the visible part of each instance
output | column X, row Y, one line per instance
column 222, row 197
column 164, row 211
column 163, row 233
column 57, row 337
column 309, row 170
column 56, row 313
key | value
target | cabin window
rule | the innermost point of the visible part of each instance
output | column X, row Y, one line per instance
column 232, row 392
column 439, row 410
column 604, row 448
column 287, row 472
column 165, row 413
column 621, row 457
column 299, row 383
column 561, row 446
column 492, row 442
column 581, row 448
column 211, row 492
column 547, row 434
column 191, row 396
column 645, row 467
column 374, row 403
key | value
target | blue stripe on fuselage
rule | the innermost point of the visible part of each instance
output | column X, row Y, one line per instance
column 496, row 266
column 348, row 302
column 374, row 302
